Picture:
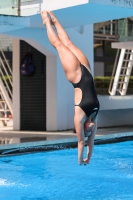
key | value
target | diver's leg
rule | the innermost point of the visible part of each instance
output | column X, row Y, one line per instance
column 69, row 61
column 67, row 42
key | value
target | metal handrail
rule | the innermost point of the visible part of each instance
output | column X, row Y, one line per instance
column 104, row 25
column 16, row 8
column 3, row 109
column 9, row 68
column 4, row 72
column 6, row 84
column 126, row 31
column 123, row 27
column 5, row 5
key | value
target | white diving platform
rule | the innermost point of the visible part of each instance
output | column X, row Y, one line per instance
column 71, row 13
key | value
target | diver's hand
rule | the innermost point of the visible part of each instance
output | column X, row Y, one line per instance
column 84, row 162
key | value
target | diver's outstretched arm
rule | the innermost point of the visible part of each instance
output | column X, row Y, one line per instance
column 90, row 144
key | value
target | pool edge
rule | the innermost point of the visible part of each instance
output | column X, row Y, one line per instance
column 33, row 147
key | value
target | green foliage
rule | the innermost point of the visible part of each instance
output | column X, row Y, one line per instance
column 102, row 82
column 7, row 79
column 107, row 78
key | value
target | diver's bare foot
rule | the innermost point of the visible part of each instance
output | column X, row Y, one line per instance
column 45, row 17
column 53, row 18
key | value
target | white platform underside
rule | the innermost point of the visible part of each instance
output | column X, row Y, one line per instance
column 123, row 45
column 70, row 14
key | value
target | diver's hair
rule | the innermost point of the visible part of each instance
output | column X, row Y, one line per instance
column 74, row 130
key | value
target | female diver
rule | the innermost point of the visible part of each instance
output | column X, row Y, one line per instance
column 78, row 72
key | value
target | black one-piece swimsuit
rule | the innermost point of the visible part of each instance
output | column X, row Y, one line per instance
column 89, row 103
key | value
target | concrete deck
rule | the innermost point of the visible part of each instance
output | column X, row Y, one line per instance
column 101, row 132
column 32, row 141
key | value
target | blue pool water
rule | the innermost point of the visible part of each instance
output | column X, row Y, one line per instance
column 56, row 175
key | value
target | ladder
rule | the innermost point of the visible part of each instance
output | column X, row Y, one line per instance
column 6, row 84
column 121, row 72
column 4, row 110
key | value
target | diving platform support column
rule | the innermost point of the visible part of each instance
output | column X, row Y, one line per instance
column 16, row 84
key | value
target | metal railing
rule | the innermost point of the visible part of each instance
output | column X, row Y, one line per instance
column 6, row 73
column 20, row 7
column 106, row 30
column 119, row 30
column 126, row 32
column 4, row 111
column 6, row 87
column 105, row 27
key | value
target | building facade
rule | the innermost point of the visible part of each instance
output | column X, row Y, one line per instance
column 29, row 34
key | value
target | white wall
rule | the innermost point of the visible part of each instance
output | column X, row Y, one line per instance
column 121, row 117
column 61, row 97
column 59, row 4
column 16, row 84
column 51, row 93
column 115, row 111
column 115, row 102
